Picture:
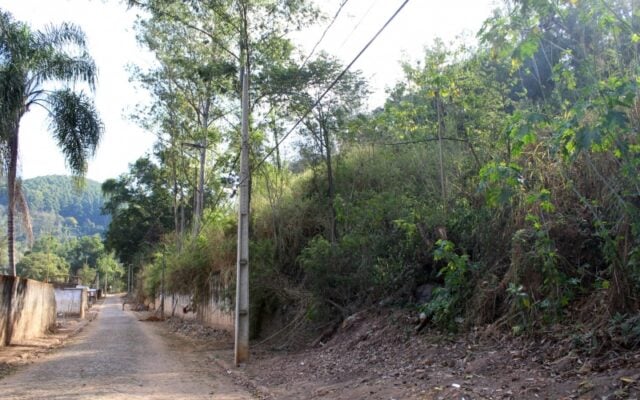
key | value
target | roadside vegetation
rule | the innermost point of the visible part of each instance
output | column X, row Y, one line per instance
column 499, row 179
column 502, row 177
column 83, row 260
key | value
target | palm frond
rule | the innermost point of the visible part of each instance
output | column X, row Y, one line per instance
column 14, row 48
column 76, row 126
column 12, row 92
column 14, row 37
column 66, row 68
column 62, row 35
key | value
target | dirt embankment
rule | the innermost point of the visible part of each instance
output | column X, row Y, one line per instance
column 378, row 355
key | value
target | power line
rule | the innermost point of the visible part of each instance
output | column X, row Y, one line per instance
column 306, row 59
column 328, row 89
column 356, row 26
column 335, row 17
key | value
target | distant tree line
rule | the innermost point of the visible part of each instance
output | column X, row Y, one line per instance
column 59, row 207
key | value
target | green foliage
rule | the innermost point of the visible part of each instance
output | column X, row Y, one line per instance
column 64, row 260
column 500, row 183
column 523, row 152
column 625, row 330
column 81, row 251
column 448, row 303
column 45, row 267
column 111, row 271
column 189, row 266
column 59, row 206
column 140, row 205
column 87, row 275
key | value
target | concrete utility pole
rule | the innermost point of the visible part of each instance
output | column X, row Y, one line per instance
column 242, row 270
column 129, row 280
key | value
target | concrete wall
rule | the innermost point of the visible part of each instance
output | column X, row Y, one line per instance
column 175, row 305
column 27, row 309
column 219, row 315
column 71, row 301
column 216, row 310
column 6, row 293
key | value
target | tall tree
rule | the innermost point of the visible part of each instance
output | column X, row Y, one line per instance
column 242, row 34
column 140, row 204
column 31, row 63
column 330, row 116
column 110, row 269
column 190, row 89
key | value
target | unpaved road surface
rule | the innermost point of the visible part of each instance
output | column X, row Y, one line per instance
column 120, row 357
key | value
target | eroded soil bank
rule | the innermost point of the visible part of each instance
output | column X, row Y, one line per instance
column 378, row 355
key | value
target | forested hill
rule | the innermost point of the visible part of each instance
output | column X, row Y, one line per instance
column 59, row 207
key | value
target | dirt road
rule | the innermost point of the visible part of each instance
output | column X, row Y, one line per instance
column 119, row 357
column 377, row 356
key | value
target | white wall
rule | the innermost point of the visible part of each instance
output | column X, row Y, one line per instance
column 71, row 301
column 216, row 311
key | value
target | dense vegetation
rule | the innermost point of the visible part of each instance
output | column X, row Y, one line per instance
column 67, row 225
column 505, row 174
column 60, row 208
column 67, row 228
column 82, row 260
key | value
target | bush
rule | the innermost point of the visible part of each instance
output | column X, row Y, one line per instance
column 448, row 303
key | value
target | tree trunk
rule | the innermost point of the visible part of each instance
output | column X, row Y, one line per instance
column 182, row 219
column 203, row 118
column 276, row 138
column 176, row 216
column 333, row 234
column 196, row 198
column 440, row 130
column 11, row 189
column 203, row 159
column 13, row 292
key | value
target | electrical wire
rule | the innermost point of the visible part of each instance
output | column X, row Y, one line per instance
column 306, row 59
column 328, row 89
column 356, row 26
column 335, row 17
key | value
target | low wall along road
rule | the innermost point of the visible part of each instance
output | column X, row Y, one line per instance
column 215, row 310
column 27, row 309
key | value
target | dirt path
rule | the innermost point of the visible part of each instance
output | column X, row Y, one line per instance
column 119, row 357
column 376, row 355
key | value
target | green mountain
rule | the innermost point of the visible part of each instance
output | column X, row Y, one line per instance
column 58, row 207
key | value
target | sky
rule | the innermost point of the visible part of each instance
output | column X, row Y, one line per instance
column 111, row 40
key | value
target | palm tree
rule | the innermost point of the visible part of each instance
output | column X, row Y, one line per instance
column 41, row 68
